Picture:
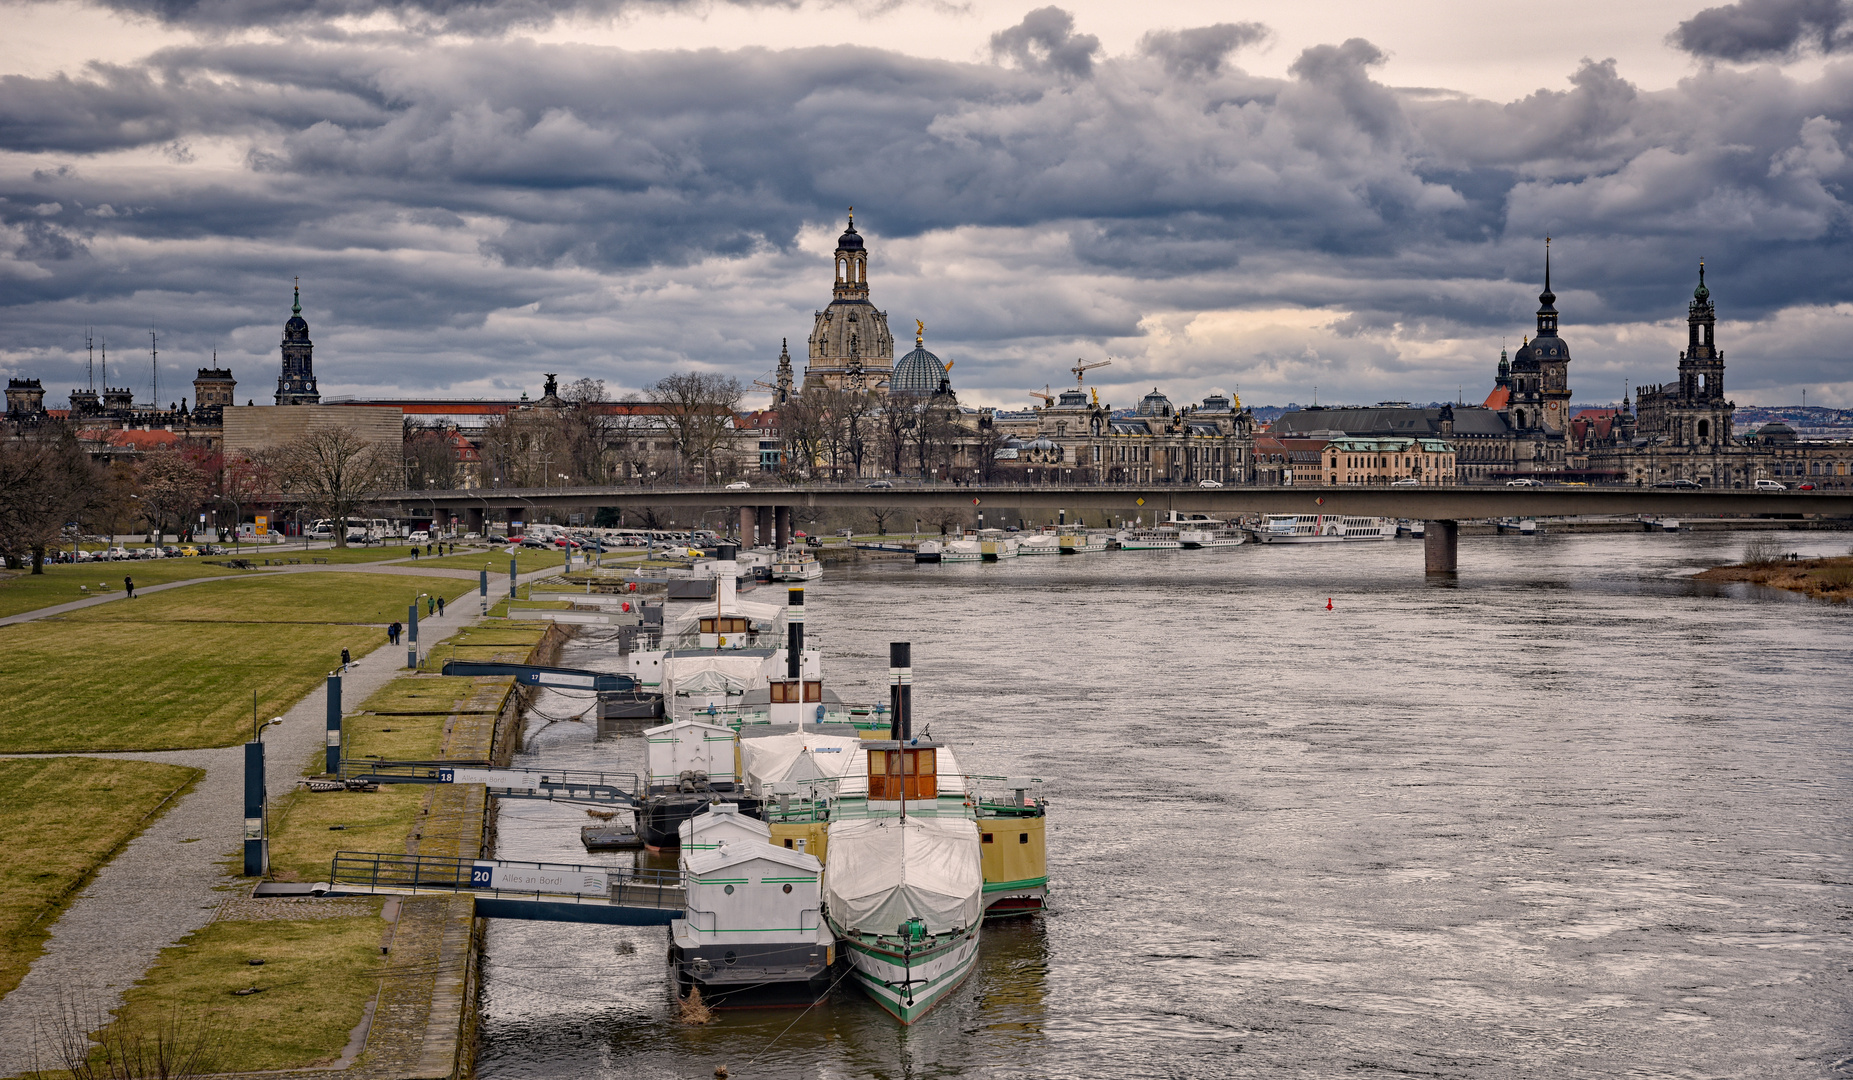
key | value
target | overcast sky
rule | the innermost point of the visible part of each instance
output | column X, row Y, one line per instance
column 1268, row 197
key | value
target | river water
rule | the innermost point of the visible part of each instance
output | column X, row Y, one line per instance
column 1573, row 816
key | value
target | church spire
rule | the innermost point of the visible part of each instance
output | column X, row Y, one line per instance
column 1547, row 300
column 296, row 307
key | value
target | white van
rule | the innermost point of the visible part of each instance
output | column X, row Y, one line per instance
column 1771, row 485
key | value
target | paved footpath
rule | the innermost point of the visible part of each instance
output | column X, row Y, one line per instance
column 399, row 566
column 170, row 880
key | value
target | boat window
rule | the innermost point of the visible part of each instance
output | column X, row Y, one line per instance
column 987, row 838
column 813, row 690
column 907, row 762
column 1022, row 838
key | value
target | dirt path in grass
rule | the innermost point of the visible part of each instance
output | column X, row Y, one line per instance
column 170, row 880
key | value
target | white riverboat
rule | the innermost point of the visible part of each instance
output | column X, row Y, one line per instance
column 1042, row 543
column 966, row 549
column 1159, row 539
column 1199, row 531
column 1076, row 542
column 928, row 551
column 1323, row 529
column 796, row 565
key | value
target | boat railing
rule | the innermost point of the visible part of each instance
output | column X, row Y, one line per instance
column 626, row 886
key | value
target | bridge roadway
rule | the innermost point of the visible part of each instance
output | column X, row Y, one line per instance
column 1443, row 507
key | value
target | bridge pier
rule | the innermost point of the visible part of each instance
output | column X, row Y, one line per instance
column 782, row 527
column 747, row 521
column 765, row 514
column 1441, row 547
column 473, row 520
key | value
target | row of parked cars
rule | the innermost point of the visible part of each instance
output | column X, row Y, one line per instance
column 118, row 553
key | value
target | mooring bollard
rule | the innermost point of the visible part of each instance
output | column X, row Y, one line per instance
column 334, row 724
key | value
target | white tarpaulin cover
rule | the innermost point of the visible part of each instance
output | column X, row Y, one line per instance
column 703, row 674
column 803, row 756
column 689, row 744
column 883, row 872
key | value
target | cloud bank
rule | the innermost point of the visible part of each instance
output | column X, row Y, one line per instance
column 467, row 213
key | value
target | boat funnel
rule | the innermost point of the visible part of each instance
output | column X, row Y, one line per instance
column 794, row 622
column 901, row 690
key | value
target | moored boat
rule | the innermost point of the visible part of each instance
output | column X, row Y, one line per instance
column 796, row 565
column 1323, row 529
column 928, row 551
column 1080, row 543
column 995, row 544
column 1156, row 539
column 966, row 549
column 1042, row 543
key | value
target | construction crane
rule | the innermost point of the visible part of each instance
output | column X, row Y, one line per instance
column 1047, row 398
column 1082, row 366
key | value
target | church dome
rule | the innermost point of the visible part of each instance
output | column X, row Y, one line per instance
column 851, row 240
column 919, row 372
column 1154, row 404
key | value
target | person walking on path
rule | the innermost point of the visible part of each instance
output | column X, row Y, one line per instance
column 392, row 634
column 129, row 584
column 346, row 660
column 440, row 607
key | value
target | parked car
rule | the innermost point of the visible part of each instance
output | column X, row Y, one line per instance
column 419, row 537
column 1680, row 485
column 1524, row 481
column 1407, row 481
column 881, row 483
column 739, row 485
column 566, row 542
column 535, row 542
column 846, row 532
column 1771, row 485
column 1208, row 483
column 1804, row 487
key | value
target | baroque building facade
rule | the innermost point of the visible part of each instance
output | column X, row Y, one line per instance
column 850, row 346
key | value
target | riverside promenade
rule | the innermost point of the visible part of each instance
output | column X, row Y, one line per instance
column 176, row 876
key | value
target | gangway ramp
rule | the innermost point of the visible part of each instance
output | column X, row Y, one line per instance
column 552, row 785
column 513, row 889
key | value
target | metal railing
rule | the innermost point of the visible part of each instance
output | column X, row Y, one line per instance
column 353, row 871
column 562, row 785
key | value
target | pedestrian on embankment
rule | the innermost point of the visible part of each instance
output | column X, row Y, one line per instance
column 414, row 551
column 392, row 634
column 129, row 584
column 346, row 660
column 440, row 607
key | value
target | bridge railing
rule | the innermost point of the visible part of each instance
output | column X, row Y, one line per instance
column 624, row 886
column 563, row 785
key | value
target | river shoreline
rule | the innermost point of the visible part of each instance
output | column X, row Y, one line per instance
column 1822, row 579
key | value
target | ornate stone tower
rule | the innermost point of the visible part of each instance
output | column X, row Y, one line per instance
column 1692, row 412
column 214, row 386
column 1540, row 373
column 296, row 386
column 851, row 347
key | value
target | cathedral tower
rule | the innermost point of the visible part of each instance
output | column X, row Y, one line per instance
column 296, row 385
column 851, row 348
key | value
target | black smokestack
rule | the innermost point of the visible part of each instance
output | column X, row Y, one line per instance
column 794, row 644
column 901, row 692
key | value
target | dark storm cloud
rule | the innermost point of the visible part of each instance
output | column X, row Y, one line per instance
column 473, row 201
column 1763, row 29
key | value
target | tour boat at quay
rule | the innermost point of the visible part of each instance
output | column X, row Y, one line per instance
column 1080, row 543
column 1149, row 540
column 1044, row 543
column 796, row 565
column 995, row 544
column 965, row 550
column 1323, row 529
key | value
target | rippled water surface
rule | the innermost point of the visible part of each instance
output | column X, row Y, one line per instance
column 1577, row 816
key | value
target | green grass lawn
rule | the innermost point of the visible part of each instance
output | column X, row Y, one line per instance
column 63, row 818
column 178, row 669
column 22, row 590
column 303, row 826
column 495, row 560
column 501, row 642
column 316, row 978
column 404, row 720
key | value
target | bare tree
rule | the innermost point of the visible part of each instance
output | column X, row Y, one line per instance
column 697, row 412
column 430, row 458
column 45, row 484
column 171, row 487
column 336, row 472
column 582, row 432
column 900, row 416
column 802, row 427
